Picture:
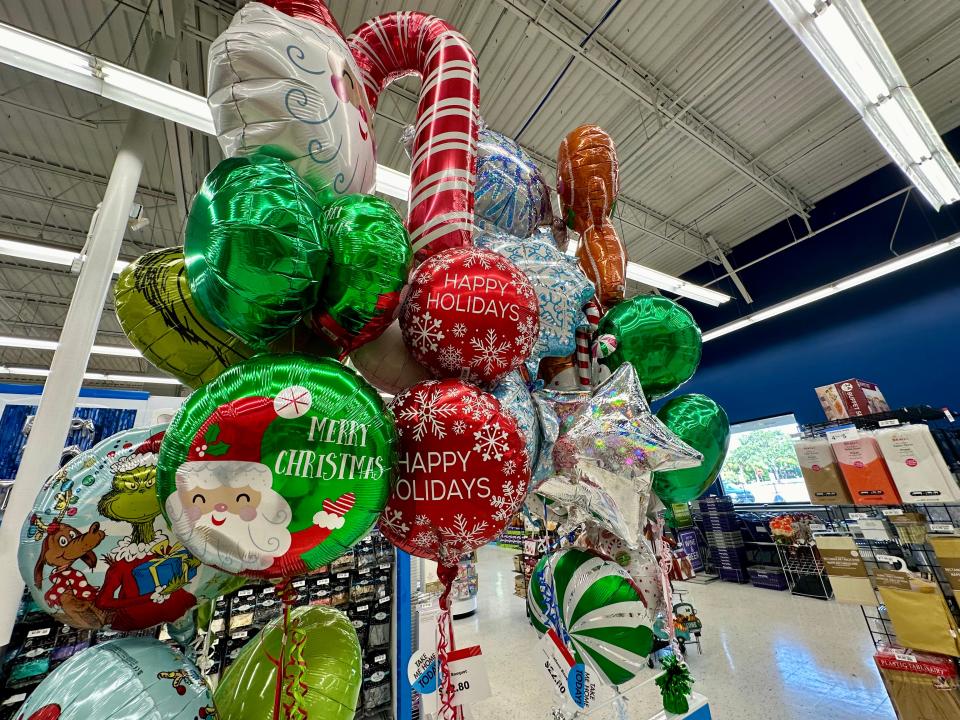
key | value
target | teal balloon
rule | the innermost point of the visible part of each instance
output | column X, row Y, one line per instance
column 255, row 258
column 658, row 337
column 703, row 425
column 122, row 679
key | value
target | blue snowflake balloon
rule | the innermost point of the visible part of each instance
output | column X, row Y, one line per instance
column 561, row 287
column 515, row 399
column 511, row 194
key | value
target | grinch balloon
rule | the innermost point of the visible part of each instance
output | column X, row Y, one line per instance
column 289, row 87
column 278, row 466
column 96, row 553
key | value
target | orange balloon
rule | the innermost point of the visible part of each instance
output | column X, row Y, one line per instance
column 604, row 260
column 588, row 178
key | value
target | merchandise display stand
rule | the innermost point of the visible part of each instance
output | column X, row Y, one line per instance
column 803, row 567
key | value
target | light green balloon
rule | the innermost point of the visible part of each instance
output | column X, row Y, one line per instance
column 322, row 672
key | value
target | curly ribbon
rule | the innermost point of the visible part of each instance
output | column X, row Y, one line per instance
column 666, row 562
column 446, row 574
column 290, row 686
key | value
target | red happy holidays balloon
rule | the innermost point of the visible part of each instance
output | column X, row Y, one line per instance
column 461, row 473
column 470, row 314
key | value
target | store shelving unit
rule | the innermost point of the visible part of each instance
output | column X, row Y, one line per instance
column 804, row 570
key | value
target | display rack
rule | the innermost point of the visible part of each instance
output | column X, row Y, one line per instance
column 803, row 567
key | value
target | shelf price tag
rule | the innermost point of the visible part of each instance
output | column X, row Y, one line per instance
column 859, row 516
column 468, row 673
column 892, row 511
column 842, row 434
column 905, row 657
column 941, row 527
column 817, row 527
column 889, row 422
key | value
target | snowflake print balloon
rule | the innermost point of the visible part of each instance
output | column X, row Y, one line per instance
column 470, row 314
column 462, row 471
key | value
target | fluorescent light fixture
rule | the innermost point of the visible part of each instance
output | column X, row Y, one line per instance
column 27, row 343
column 851, row 281
column 662, row 281
column 102, row 377
column 844, row 40
column 84, row 71
column 45, row 254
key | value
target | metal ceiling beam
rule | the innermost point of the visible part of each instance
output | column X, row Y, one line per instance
column 50, row 113
column 614, row 64
column 47, row 199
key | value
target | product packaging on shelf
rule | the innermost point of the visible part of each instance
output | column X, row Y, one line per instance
column 916, row 464
column 821, row 473
column 848, row 574
column 851, row 398
column 920, row 685
column 865, row 472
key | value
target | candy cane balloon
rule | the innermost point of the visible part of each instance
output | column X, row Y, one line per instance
column 282, row 81
column 445, row 137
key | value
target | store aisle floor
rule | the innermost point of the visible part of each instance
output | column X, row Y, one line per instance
column 766, row 654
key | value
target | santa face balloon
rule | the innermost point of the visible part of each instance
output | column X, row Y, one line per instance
column 289, row 87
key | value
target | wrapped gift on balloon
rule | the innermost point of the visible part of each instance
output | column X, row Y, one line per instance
column 278, row 466
column 103, row 505
column 108, row 680
column 159, row 317
column 287, row 85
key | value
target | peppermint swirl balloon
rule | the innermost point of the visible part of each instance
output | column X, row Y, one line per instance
column 278, row 466
column 536, row 605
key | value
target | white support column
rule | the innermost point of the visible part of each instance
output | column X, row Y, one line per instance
column 62, row 388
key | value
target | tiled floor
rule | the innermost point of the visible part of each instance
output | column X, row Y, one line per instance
column 766, row 655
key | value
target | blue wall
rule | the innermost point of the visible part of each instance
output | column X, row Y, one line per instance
column 901, row 332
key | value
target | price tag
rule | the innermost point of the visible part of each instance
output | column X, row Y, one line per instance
column 948, row 415
column 468, row 673
column 384, row 600
column 365, row 571
column 363, row 608
column 568, row 677
column 245, row 593
column 842, row 434
column 941, row 527
column 300, row 583
column 323, row 581
column 42, row 632
column 890, row 512
column 380, row 658
column 905, row 657
column 889, row 422
column 893, row 559
column 343, row 576
column 817, row 527
column 384, row 566
column 859, row 516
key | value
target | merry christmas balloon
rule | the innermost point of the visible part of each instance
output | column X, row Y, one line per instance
column 470, row 314
column 95, row 552
column 160, row 319
column 462, row 471
column 561, row 287
column 289, row 87
column 370, row 259
column 386, row 363
column 658, row 337
column 321, row 673
column 278, row 466
column 444, row 160
column 703, row 425
column 511, row 193
column 107, row 681
column 515, row 399
column 255, row 257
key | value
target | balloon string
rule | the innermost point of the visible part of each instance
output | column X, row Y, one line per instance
column 282, row 591
column 666, row 563
column 446, row 574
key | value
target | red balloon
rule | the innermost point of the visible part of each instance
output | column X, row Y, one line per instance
column 462, row 471
column 470, row 314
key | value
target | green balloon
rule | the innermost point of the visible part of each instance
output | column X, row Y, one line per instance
column 277, row 466
column 322, row 670
column 255, row 256
column 370, row 258
column 703, row 425
column 159, row 317
column 658, row 337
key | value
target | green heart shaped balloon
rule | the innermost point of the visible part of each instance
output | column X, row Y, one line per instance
column 703, row 425
column 159, row 317
column 658, row 337
column 321, row 677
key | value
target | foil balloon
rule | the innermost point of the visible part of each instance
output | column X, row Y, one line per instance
column 640, row 563
column 386, row 363
column 658, row 337
column 286, row 85
column 106, row 681
column 254, row 255
column 471, row 314
column 602, row 613
column 278, row 466
column 322, row 668
column 95, row 552
column 444, row 161
column 160, row 319
column 588, row 181
column 559, row 373
column 703, row 425
column 536, row 604
column 511, row 195
column 549, row 426
column 462, row 472
column 369, row 262
column 561, row 287
column 515, row 399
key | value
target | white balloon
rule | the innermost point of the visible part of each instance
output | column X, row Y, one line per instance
column 290, row 87
column 386, row 363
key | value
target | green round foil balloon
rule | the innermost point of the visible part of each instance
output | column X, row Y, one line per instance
column 277, row 466
column 658, row 337
column 255, row 257
column 159, row 317
column 370, row 258
column 703, row 425
column 322, row 670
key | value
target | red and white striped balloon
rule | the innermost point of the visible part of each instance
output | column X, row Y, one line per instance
column 392, row 45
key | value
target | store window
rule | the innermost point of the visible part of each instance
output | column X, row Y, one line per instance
column 761, row 466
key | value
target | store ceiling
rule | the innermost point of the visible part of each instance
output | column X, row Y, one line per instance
column 723, row 123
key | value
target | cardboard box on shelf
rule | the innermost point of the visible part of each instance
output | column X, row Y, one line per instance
column 851, row 398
